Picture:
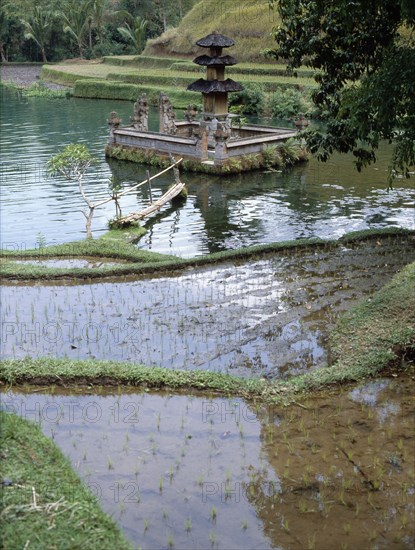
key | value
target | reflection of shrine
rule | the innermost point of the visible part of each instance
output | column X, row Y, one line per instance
column 214, row 197
column 210, row 143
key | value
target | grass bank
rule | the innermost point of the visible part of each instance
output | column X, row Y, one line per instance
column 113, row 89
column 44, row 504
column 125, row 78
column 113, row 245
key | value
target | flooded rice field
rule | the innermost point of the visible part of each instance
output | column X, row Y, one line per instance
column 266, row 317
column 188, row 472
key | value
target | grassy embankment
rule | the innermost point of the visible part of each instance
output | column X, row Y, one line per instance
column 373, row 336
column 114, row 245
column 43, row 503
column 127, row 77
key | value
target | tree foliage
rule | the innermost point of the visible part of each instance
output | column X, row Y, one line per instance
column 32, row 31
column 364, row 55
column 134, row 31
column 38, row 27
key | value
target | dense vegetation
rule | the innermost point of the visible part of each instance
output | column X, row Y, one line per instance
column 50, row 30
column 365, row 55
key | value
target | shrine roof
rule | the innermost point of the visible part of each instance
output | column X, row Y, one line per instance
column 215, row 40
column 208, row 60
column 212, row 86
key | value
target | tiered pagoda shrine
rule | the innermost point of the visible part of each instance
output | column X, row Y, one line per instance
column 208, row 143
column 215, row 88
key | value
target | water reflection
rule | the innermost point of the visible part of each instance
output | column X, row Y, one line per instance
column 221, row 212
column 222, row 473
column 268, row 317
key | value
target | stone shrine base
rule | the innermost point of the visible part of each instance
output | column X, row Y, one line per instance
column 250, row 147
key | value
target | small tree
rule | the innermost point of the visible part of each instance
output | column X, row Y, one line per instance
column 73, row 162
column 38, row 28
column 76, row 19
column 134, row 31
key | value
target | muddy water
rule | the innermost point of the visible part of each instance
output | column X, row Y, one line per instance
column 217, row 473
column 268, row 317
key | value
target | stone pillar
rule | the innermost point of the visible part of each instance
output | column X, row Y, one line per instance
column 221, row 151
column 140, row 116
column 114, row 123
column 167, row 116
column 202, row 141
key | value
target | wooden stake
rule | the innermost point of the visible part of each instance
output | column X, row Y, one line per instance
column 149, row 186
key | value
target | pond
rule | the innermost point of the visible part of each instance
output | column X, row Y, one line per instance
column 196, row 473
column 314, row 199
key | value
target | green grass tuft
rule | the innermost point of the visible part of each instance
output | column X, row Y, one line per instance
column 46, row 499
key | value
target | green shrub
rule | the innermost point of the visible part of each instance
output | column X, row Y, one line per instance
column 289, row 102
column 39, row 89
column 250, row 101
column 271, row 157
column 289, row 151
column 106, row 48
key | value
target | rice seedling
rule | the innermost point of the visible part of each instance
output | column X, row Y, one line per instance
column 286, row 526
column 188, row 524
column 200, row 479
column 347, row 528
column 404, row 521
column 213, row 513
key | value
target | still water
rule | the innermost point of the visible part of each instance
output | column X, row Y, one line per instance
column 314, row 199
column 189, row 472
column 266, row 317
